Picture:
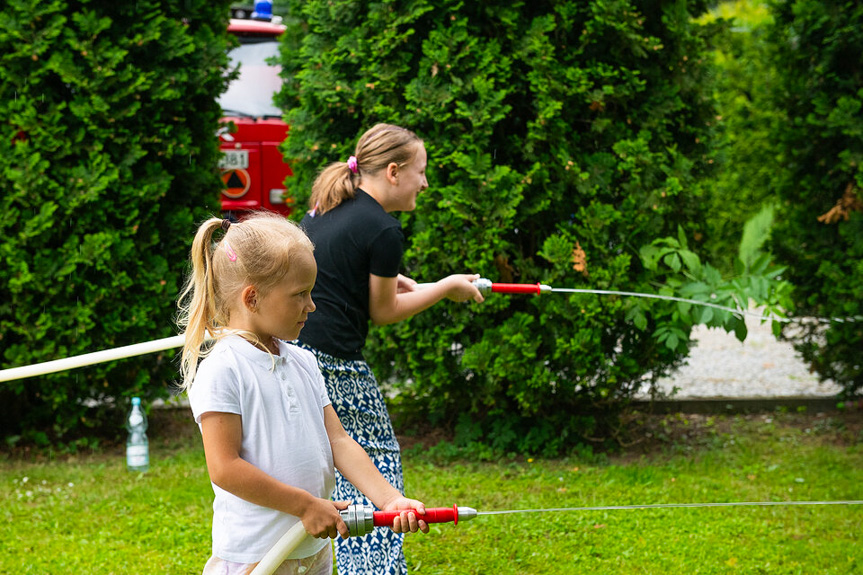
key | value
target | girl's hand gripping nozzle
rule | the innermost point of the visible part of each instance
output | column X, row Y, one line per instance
column 361, row 519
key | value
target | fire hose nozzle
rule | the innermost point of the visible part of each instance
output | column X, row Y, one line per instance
column 486, row 286
column 361, row 519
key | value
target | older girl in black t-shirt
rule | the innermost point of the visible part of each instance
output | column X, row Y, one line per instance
column 358, row 250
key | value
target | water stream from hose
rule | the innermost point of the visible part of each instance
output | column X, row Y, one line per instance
column 675, row 505
column 736, row 311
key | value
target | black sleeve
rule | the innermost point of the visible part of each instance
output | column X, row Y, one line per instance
column 386, row 252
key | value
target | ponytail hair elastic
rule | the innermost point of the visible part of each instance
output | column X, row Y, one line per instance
column 226, row 223
column 352, row 165
column 232, row 255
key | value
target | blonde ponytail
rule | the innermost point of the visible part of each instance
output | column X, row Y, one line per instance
column 197, row 302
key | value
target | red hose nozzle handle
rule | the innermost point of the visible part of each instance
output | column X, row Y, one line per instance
column 357, row 517
column 485, row 286
column 432, row 515
column 516, row 288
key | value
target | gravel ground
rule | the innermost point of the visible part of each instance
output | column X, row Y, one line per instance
column 722, row 367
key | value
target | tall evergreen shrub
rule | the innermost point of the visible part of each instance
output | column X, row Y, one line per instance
column 109, row 154
column 567, row 142
column 818, row 46
column 746, row 155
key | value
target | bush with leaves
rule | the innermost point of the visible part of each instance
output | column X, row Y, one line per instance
column 819, row 231
column 746, row 157
column 109, row 160
column 567, row 144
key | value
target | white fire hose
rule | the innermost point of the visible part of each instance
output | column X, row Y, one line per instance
column 91, row 358
column 280, row 551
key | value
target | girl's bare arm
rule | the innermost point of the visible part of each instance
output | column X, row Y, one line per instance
column 223, row 436
column 391, row 300
column 354, row 463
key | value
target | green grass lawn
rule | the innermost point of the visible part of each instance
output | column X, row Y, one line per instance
column 87, row 514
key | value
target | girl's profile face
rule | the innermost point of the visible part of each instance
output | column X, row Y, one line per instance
column 283, row 311
column 411, row 181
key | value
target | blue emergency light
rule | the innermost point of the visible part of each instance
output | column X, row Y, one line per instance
column 263, row 10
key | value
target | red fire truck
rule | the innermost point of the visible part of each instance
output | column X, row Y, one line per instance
column 253, row 169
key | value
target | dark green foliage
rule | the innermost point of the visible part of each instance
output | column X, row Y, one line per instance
column 552, row 128
column 109, row 158
column 747, row 160
column 819, row 46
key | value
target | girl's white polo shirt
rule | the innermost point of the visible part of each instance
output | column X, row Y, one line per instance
column 281, row 401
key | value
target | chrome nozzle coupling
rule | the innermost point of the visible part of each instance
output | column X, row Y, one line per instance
column 359, row 519
column 483, row 285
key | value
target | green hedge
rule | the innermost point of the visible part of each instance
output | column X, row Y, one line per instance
column 567, row 145
column 746, row 156
column 109, row 159
column 819, row 46
column 787, row 88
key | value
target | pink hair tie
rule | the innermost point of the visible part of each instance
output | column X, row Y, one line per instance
column 232, row 255
column 352, row 164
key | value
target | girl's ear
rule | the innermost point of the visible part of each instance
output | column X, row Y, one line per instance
column 250, row 298
column 392, row 173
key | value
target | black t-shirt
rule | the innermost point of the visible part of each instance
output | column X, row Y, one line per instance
column 353, row 240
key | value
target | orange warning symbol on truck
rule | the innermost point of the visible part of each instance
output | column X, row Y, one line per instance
column 237, row 182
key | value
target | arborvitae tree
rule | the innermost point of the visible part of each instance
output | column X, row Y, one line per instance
column 747, row 158
column 109, row 160
column 818, row 47
column 567, row 142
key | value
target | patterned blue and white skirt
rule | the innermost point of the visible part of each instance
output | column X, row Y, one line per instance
column 358, row 402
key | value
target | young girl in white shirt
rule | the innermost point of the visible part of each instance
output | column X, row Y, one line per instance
column 271, row 437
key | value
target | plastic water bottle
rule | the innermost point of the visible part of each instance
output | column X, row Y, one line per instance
column 137, row 446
